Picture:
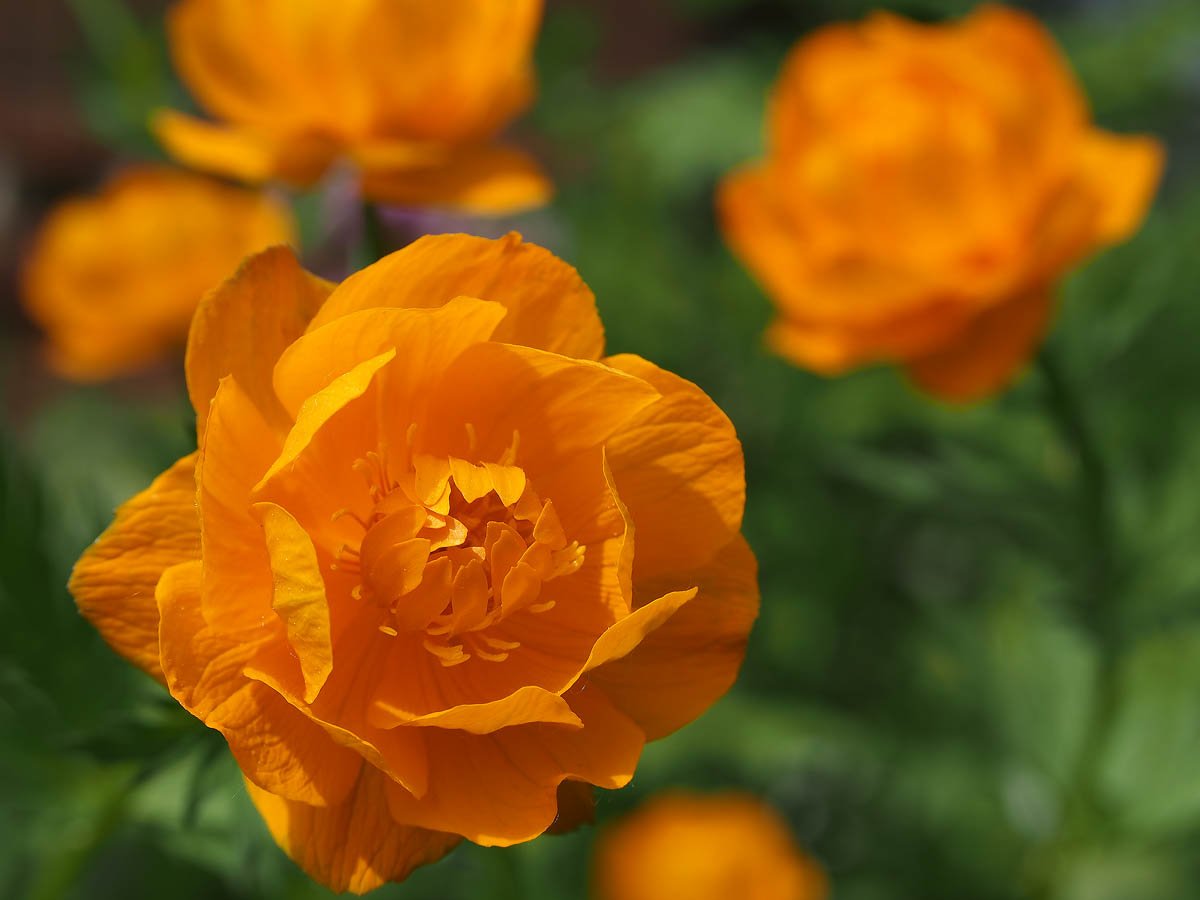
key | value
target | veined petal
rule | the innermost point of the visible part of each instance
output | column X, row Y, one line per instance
column 560, row 407
column 276, row 747
column 299, row 600
column 502, row 789
column 113, row 582
column 242, row 327
column 237, row 447
column 690, row 654
column 548, row 304
column 678, row 468
column 355, row 846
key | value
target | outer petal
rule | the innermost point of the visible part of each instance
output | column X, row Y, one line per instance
column 549, row 306
column 242, row 327
column 986, row 356
column 501, row 789
column 489, row 180
column 679, row 470
column 240, row 153
column 113, row 582
column 275, row 745
column 680, row 668
column 1123, row 173
column 355, row 846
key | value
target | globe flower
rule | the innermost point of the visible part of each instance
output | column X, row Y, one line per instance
column 113, row 279
column 411, row 93
column 716, row 847
column 924, row 191
column 437, row 561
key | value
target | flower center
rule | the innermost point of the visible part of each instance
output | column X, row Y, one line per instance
column 452, row 548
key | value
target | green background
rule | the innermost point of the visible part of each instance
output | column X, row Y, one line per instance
column 963, row 684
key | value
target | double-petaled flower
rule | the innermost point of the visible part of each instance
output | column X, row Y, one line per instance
column 412, row 93
column 113, row 279
column 925, row 188
column 715, row 847
column 438, row 563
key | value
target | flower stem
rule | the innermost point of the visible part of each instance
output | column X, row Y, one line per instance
column 374, row 235
column 1068, row 413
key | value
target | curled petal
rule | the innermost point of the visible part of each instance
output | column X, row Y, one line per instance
column 693, row 655
column 1122, row 173
column 502, row 789
column 277, row 747
column 113, row 583
column 523, row 707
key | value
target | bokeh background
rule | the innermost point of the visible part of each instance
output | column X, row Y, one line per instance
column 944, row 696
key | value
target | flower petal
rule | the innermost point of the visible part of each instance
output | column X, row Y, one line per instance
column 559, row 407
column 430, row 339
column 989, row 352
column 113, row 582
column 482, row 179
column 501, row 789
column 681, row 667
column 299, row 599
column 243, row 326
column 679, row 470
column 276, row 747
column 1122, row 172
column 525, row 706
column 237, row 447
column 548, row 304
column 240, row 153
column 355, row 846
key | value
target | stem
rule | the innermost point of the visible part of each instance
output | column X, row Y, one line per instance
column 374, row 235
column 1095, row 505
column 1084, row 815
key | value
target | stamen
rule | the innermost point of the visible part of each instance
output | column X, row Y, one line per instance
column 509, row 457
column 388, row 630
column 353, row 515
column 472, row 438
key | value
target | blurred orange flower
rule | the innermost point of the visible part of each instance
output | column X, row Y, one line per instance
column 413, row 93
column 924, row 190
column 114, row 279
column 400, row 574
column 717, row 847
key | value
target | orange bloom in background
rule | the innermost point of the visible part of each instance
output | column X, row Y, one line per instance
column 113, row 279
column 437, row 559
column 412, row 93
column 924, row 191
column 715, row 847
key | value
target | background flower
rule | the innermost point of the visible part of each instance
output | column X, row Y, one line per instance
column 924, row 191
column 445, row 559
column 412, row 93
column 114, row 278
column 714, row 847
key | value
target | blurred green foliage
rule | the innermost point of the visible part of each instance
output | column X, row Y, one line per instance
column 958, row 687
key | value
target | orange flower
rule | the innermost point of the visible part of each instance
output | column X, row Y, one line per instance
column 718, row 847
column 925, row 188
column 400, row 574
column 412, row 92
column 114, row 279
